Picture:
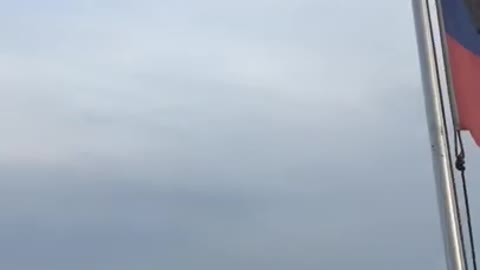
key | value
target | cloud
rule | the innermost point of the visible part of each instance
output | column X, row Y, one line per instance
column 219, row 135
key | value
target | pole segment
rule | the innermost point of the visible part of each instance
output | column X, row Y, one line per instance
column 441, row 160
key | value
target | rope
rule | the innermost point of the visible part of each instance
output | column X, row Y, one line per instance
column 460, row 165
column 459, row 146
column 444, row 119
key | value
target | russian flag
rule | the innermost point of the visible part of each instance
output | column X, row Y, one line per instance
column 462, row 27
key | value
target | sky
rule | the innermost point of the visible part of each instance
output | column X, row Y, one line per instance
column 215, row 135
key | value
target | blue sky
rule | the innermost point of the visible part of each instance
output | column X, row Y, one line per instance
column 214, row 135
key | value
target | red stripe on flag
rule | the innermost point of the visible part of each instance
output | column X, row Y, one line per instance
column 465, row 68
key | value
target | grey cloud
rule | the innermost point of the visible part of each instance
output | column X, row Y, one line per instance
column 214, row 135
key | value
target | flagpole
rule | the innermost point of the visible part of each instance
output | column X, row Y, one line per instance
column 438, row 136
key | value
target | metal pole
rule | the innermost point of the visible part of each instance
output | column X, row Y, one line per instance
column 438, row 136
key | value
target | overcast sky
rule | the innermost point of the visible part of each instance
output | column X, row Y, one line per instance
column 253, row 134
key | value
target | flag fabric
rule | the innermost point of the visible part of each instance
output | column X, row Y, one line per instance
column 461, row 20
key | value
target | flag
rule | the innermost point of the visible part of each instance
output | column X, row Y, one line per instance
column 461, row 19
